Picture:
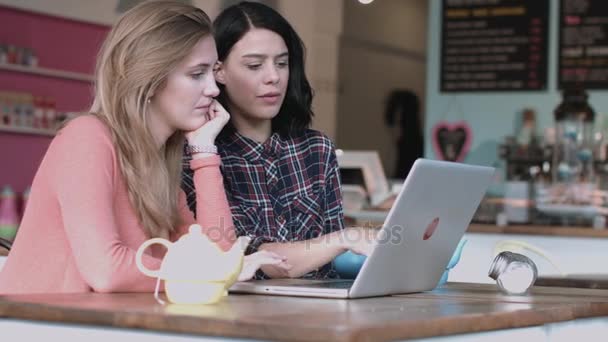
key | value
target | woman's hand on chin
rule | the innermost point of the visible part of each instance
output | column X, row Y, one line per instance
column 217, row 118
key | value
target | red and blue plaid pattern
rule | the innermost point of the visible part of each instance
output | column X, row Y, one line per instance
column 281, row 190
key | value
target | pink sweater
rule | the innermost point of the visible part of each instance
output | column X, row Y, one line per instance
column 80, row 232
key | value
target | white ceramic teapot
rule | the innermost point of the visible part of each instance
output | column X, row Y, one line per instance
column 195, row 270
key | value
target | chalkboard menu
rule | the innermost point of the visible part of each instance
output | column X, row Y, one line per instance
column 583, row 43
column 494, row 45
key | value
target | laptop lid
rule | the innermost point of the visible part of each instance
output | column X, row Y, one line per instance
column 429, row 217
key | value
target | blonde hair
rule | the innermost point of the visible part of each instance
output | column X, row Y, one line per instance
column 142, row 48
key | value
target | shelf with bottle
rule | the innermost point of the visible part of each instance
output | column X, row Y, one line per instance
column 24, row 113
column 24, row 60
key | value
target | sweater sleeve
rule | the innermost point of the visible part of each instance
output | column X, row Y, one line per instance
column 83, row 178
column 213, row 211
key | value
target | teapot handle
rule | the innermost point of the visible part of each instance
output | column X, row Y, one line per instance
column 140, row 253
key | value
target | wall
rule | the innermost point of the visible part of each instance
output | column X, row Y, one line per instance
column 319, row 24
column 52, row 38
column 93, row 11
column 491, row 115
column 383, row 48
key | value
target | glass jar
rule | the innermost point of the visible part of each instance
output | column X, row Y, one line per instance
column 514, row 273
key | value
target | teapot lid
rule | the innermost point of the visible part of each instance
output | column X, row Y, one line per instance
column 195, row 257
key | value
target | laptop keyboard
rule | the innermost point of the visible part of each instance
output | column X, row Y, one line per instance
column 329, row 284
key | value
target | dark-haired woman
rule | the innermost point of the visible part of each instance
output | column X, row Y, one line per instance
column 281, row 177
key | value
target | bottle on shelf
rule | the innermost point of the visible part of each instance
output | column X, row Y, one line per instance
column 50, row 112
column 9, row 217
column 29, row 58
column 11, row 54
column 27, row 110
column 3, row 53
column 39, row 113
column 18, row 111
column 12, row 109
column 4, row 110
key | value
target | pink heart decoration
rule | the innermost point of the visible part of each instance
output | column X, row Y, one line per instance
column 451, row 141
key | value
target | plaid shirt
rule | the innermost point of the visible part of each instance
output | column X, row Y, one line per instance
column 281, row 190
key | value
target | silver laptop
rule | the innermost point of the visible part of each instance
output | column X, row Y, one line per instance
column 418, row 237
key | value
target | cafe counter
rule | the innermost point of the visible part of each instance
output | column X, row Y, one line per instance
column 574, row 252
column 567, row 252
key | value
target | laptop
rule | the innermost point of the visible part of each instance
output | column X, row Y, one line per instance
column 421, row 232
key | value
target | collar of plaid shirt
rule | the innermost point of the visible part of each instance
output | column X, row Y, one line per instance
column 253, row 150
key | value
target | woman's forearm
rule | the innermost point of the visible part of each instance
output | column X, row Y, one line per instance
column 305, row 256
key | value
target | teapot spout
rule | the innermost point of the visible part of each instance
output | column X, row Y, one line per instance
column 240, row 245
column 236, row 255
column 237, row 251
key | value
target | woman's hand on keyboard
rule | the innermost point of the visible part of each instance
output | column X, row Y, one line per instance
column 254, row 261
column 360, row 240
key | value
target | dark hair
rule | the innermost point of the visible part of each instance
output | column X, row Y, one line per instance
column 403, row 107
column 404, row 103
column 232, row 24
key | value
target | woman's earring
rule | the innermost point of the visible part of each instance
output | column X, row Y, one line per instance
column 149, row 100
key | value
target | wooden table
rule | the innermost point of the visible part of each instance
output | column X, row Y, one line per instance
column 454, row 309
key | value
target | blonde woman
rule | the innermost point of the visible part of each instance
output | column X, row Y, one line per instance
column 110, row 179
